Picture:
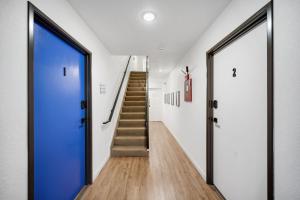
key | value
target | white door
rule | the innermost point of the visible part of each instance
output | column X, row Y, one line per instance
column 156, row 100
column 240, row 135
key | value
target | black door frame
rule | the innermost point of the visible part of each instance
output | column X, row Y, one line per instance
column 264, row 14
column 34, row 14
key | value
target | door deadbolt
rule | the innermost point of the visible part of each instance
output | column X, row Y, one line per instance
column 83, row 120
column 83, row 105
column 215, row 120
column 215, row 104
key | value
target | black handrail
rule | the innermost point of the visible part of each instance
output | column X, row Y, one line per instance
column 147, row 102
column 118, row 94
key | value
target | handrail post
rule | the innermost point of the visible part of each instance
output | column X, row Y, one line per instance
column 118, row 94
column 147, row 102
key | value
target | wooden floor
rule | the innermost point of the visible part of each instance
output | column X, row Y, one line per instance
column 166, row 175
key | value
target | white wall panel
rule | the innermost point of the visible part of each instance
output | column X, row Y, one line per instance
column 106, row 69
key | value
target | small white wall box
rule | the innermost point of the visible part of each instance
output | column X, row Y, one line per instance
column 102, row 88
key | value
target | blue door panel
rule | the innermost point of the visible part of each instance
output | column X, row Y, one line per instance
column 59, row 136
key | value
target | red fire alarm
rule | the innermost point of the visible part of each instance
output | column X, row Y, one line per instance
column 187, row 86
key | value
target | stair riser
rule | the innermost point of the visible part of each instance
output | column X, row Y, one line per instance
column 131, row 123
column 133, row 98
column 131, row 133
column 134, row 93
column 132, row 116
column 137, row 73
column 132, row 103
column 134, row 89
column 137, row 81
column 137, row 78
column 115, row 153
column 134, row 109
column 137, row 85
column 130, row 142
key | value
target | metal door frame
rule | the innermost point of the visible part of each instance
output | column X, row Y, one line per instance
column 34, row 14
column 265, row 14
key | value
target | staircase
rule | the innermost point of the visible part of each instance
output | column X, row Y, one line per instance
column 131, row 135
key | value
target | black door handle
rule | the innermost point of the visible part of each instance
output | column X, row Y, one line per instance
column 83, row 105
column 215, row 120
column 215, row 104
column 83, row 120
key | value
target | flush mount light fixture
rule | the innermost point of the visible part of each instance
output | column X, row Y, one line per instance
column 149, row 16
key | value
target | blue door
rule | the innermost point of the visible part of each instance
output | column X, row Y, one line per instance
column 59, row 134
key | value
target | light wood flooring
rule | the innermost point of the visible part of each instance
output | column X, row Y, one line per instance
column 167, row 174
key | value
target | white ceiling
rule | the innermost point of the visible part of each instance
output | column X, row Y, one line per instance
column 179, row 23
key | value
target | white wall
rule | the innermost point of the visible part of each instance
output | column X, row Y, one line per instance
column 287, row 98
column 155, row 97
column 138, row 63
column 155, row 104
column 106, row 69
column 112, row 74
column 155, row 82
column 188, row 123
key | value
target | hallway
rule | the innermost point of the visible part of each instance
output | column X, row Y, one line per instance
column 149, row 100
column 167, row 174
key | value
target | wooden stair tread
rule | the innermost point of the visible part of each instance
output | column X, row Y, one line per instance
column 131, row 128
column 142, row 92
column 129, row 148
column 136, row 89
column 130, row 140
column 132, row 101
column 130, row 120
column 136, row 96
column 134, row 106
column 133, row 113
column 129, row 137
column 138, row 106
column 129, row 151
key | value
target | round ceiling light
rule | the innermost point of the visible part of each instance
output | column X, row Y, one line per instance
column 149, row 16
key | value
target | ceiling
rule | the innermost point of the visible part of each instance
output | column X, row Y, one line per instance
column 178, row 24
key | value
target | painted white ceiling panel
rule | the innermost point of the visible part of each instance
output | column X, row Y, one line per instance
column 178, row 24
